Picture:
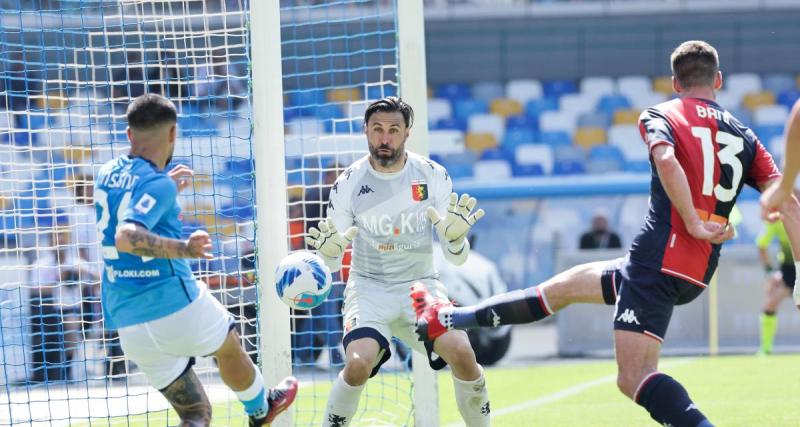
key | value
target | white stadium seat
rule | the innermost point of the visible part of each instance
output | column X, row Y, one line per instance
column 741, row 83
column 492, row 170
column 729, row 100
column 523, row 90
column 535, row 154
column 577, row 103
column 643, row 100
column 556, row 121
column 445, row 141
column 771, row 115
column 488, row 91
column 439, row 108
column 487, row 123
column 628, row 139
column 631, row 86
column 596, row 87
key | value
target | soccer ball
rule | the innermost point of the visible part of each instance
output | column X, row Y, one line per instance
column 302, row 280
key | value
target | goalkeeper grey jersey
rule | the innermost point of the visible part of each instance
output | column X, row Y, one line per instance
column 394, row 238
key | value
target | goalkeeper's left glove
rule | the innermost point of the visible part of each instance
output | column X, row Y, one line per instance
column 453, row 228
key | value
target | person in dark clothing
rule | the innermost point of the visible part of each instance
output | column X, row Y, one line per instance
column 600, row 237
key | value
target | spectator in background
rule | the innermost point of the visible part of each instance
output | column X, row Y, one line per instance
column 600, row 237
column 128, row 78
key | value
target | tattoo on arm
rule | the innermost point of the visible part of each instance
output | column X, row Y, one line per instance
column 189, row 399
column 148, row 244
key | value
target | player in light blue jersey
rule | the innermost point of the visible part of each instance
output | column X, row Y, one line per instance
column 165, row 317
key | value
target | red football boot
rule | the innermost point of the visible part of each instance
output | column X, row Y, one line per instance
column 433, row 315
column 279, row 398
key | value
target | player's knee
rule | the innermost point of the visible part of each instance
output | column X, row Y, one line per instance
column 624, row 384
column 461, row 356
column 358, row 370
column 197, row 417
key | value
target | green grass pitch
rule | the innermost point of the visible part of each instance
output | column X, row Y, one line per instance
column 731, row 390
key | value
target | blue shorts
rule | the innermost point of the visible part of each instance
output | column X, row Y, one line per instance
column 788, row 274
column 645, row 297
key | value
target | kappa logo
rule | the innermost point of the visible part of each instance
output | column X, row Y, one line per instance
column 365, row 189
column 495, row 319
column 690, row 407
column 628, row 316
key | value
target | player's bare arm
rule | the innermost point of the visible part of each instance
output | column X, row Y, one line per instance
column 135, row 239
column 190, row 401
column 673, row 178
column 182, row 175
column 776, row 194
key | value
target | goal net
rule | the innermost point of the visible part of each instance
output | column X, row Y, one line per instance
column 68, row 70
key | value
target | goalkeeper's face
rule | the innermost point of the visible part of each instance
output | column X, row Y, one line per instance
column 386, row 135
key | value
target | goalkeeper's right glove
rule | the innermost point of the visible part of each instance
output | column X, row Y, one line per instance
column 330, row 243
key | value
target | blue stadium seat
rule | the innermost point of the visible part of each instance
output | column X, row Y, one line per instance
column 535, row 107
column 556, row 139
column 328, row 111
column 526, row 170
column 556, row 88
column 459, row 170
column 459, row 165
column 306, row 97
column 436, row 158
column 569, row 167
column 453, row 91
column 497, row 154
column 452, row 123
column 743, row 114
column 788, row 97
column 765, row 133
column 239, row 166
column 488, row 91
column 778, row 83
column 377, row 92
column 637, row 166
column 611, row 103
column 463, row 108
column 604, row 158
column 522, row 122
column 349, row 126
column 515, row 137
column 30, row 121
column 597, row 119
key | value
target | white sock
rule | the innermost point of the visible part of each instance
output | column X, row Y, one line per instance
column 472, row 398
column 342, row 403
column 254, row 397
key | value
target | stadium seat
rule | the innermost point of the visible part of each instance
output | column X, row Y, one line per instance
column 496, row 154
column 556, row 138
column 305, row 126
column 535, row 107
column 569, row 167
column 345, row 126
column 487, row 123
column 643, row 100
column 775, row 146
column 445, row 142
column 558, row 121
column 611, row 103
column 453, row 91
column 439, row 108
column 788, row 97
column 577, row 103
column 460, row 170
column 459, row 165
column 597, row 87
column 382, row 90
column 777, row 83
column 452, row 123
column 594, row 119
column 728, row 99
column 767, row 132
column 526, row 170
column 588, row 137
column 556, row 88
column 742, row 83
column 516, row 137
column 522, row 122
column 343, row 94
column 633, row 85
column 464, row 108
column 487, row 91
column 637, row 166
column 626, row 117
column 492, row 170
column 754, row 100
column 629, row 141
column 535, row 154
column 663, row 85
column 505, row 107
column 771, row 115
column 523, row 90
column 306, row 98
column 604, row 158
column 743, row 114
column 478, row 142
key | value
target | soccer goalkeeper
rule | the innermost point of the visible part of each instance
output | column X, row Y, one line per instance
column 386, row 203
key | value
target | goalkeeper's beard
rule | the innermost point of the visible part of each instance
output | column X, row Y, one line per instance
column 390, row 159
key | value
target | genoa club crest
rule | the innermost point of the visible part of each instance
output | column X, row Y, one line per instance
column 419, row 191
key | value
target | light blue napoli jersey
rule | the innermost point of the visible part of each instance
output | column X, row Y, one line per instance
column 139, row 289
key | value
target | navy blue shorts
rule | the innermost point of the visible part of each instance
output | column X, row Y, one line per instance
column 789, row 275
column 645, row 297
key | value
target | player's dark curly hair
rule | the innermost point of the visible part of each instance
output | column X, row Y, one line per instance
column 695, row 63
column 149, row 110
column 390, row 104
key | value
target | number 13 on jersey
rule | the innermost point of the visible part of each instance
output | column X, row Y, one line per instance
column 733, row 145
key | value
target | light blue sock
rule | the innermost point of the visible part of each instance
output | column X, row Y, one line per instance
column 254, row 397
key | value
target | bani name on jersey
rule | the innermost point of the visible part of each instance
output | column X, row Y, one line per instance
column 394, row 238
column 719, row 155
column 139, row 289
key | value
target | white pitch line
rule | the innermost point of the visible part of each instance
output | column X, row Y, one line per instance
column 561, row 394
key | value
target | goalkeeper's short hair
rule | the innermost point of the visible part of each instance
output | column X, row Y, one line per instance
column 390, row 104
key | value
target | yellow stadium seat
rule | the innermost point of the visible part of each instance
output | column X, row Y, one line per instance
column 588, row 137
column 505, row 107
column 478, row 142
column 663, row 85
column 626, row 117
column 754, row 100
column 345, row 94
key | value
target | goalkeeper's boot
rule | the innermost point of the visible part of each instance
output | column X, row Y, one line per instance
column 433, row 315
column 279, row 398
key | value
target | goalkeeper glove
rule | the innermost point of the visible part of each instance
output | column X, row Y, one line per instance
column 454, row 226
column 330, row 243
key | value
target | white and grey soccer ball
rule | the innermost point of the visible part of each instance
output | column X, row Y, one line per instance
column 302, row 280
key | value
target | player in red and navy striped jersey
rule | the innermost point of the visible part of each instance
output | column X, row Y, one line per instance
column 701, row 157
